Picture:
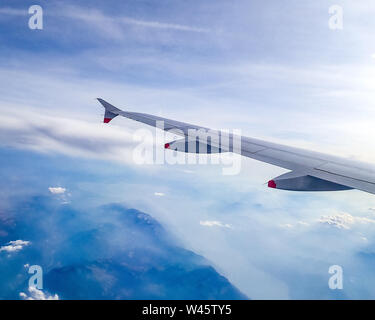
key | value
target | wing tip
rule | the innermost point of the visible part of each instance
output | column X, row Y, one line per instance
column 110, row 110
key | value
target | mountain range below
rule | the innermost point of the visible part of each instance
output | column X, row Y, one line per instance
column 109, row 252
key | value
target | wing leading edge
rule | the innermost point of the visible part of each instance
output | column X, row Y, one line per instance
column 310, row 171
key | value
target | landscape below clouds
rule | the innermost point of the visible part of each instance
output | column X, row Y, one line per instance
column 105, row 252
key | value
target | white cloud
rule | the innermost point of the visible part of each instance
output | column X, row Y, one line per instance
column 290, row 226
column 214, row 223
column 53, row 133
column 117, row 27
column 344, row 220
column 57, row 190
column 14, row 246
column 161, row 25
column 303, row 223
column 287, row 226
column 188, row 171
column 109, row 24
column 36, row 294
column 159, row 194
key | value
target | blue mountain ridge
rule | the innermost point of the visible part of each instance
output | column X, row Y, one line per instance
column 108, row 252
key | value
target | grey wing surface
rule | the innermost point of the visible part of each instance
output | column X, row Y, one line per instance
column 309, row 170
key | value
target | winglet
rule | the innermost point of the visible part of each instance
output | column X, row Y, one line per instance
column 110, row 110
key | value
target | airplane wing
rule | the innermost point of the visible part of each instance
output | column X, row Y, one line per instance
column 309, row 170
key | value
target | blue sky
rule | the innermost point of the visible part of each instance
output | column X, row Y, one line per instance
column 275, row 71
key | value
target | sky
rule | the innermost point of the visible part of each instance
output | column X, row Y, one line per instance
column 274, row 70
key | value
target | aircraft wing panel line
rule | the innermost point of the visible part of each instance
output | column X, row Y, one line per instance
column 346, row 181
column 348, row 177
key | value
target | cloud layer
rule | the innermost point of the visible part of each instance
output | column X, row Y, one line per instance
column 14, row 246
column 36, row 294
